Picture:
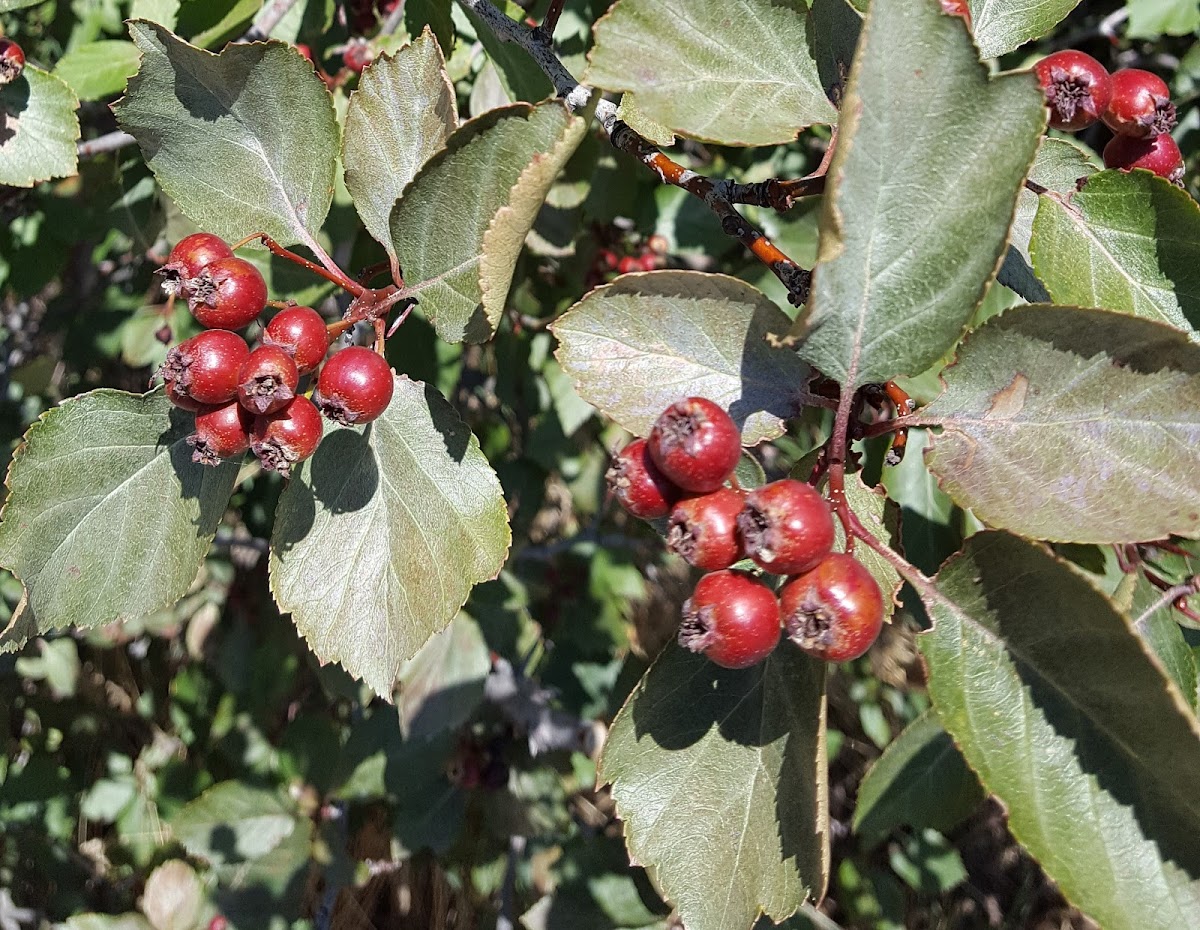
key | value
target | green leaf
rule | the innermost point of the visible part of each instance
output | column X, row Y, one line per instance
column 233, row 822
column 380, row 535
column 1094, row 415
column 1150, row 19
column 1155, row 622
column 1128, row 242
column 107, row 921
column 736, row 73
column 7, row 6
column 441, row 685
column 516, row 70
column 881, row 518
column 38, row 129
column 402, row 113
column 720, row 778
column 98, row 69
column 833, row 29
column 902, row 265
column 637, row 345
column 458, row 242
column 223, row 135
column 107, row 518
column 1002, row 27
column 1059, row 708
column 1058, row 165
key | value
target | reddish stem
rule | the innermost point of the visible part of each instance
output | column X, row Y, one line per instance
column 337, row 276
column 837, row 465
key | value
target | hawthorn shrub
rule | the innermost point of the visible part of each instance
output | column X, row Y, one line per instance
column 706, row 463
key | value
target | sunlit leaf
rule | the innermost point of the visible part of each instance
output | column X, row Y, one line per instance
column 38, row 129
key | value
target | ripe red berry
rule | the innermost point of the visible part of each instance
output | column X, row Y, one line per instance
column 638, row 485
column 649, row 261
column 786, row 527
column 228, row 294
column 191, row 255
column 204, row 369
column 357, row 55
column 1159, row 154
column 1078, row 88
column 287, row 436
column 695, row 444
column 218, row 923
column 627, row 264
column 305, row 51
column 835, row 611
column 221, row 433
column 608, row 259
column 1140, row 106
column 300, row 331
column 703, row 529
column 732, row 618
column 267, row 380
column 12, row 61
column 957, row 8
column 355, row 386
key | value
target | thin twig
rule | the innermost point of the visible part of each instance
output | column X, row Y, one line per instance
column 550, row 21
column 394, row 20
column 507, row 919
column 109, row 142
column 266, row 22
column 1169, row 597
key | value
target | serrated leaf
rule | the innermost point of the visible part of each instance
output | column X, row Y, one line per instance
column 107, row 517
column 401, row 114
column 441, row 685
column 98, row 69
column 881, row 517
column 1154, row 621
column 380, row 535
column 833, row 29
column 720, row 778
column 637, row 345
column 1061, row 711
column 460, row 225
column 1002, row 27
column 1058, row 165
column 38, row 129
column 902, row 266
column 222, row 135
column 1094, row 415
column 233, row 822
column 735, row 73
column 1128, row 242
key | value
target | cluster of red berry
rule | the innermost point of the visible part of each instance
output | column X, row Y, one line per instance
column 249, row 399
column 12, row 61
column 830, row 604
column 1134, row 104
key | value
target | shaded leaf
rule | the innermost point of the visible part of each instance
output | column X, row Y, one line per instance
column 833, row 31
column 98, row 69
column 518, row 73
column 881, row 517
column 1155, row 622
column 441, row 685
column 1058, row 165
column 1002, row 27
column 173, row 896
column 38, row 129
column 233, row 822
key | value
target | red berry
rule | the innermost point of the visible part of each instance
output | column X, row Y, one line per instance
column 732, row 618
column 957, row 8
column 786, row 527
column 218, row 923
column 1078, row 88
column 12, row 61
column 228, row 294
column 357, row 55
column 649, row 261
column 658, row 244
column 287, row 436
column 628, row 264
column 204, row 369
column 355, row 386
column 1159, row 154
column 1140, row 106
column 835, row 611
column 221, row 433
column 267, row 380
column 305, row 51
column 638, row 485
column 191, row 255
column 695, row 444
column 703, row 529
column 300, row 331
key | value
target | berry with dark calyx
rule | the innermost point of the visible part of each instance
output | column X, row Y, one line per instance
column 221, row 433
column 205, row 367
column 300, row 331
column 695, row 444
column 267, row 380
column 12, row 61
column 287, row 436
column 957, row 8
column 1078, row 89
column 835, row 611
column 1140, row 105
column 786, row 527
column 355, row 386
column 638, row 485
column 191, row 255
column 732, row 618
column 1159, row 154
column 703, row 529
column 228, row 294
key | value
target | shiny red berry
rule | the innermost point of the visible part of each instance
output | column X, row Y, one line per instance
column 221, row 433
column 267, row 380
column 786, row 527
column 1078, row 88
column 287, row 436
column 732, row 618
column 204, row 369
column 695, row 444
column 835, row 611
column 358, row 55
column 191, row 255
column 355, row 386
column 957, row 8
column 638, row 485
column 1159, row 154
column 12, row 61
column 1140, row 106
column 305, row 51
column 627, row 264
column 703, row 529
column 228, row 294
column 300, row 331
column 608, row 259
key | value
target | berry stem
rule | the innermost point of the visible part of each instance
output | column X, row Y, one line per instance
column 550, row 21
column 332, row 274
column 837, row 465
column 380, row 335
column 923, row 583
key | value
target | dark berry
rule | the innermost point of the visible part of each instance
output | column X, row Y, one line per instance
column 638, row 485
column 12, row 61
column 357, row 55
column 732, row 618
column 957, row 8
column 287, row 436
column 1140, row 106
column 221, row 433
column 355, row 386
column 228, row 294
column 205, row 367
column 786, row 527
column 1159, row 154
column 1078, row 88
column 703, row 529
column 267, row 380
column 191, row 255
column 835, row 611
column 695, row 444
column 300, row 331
